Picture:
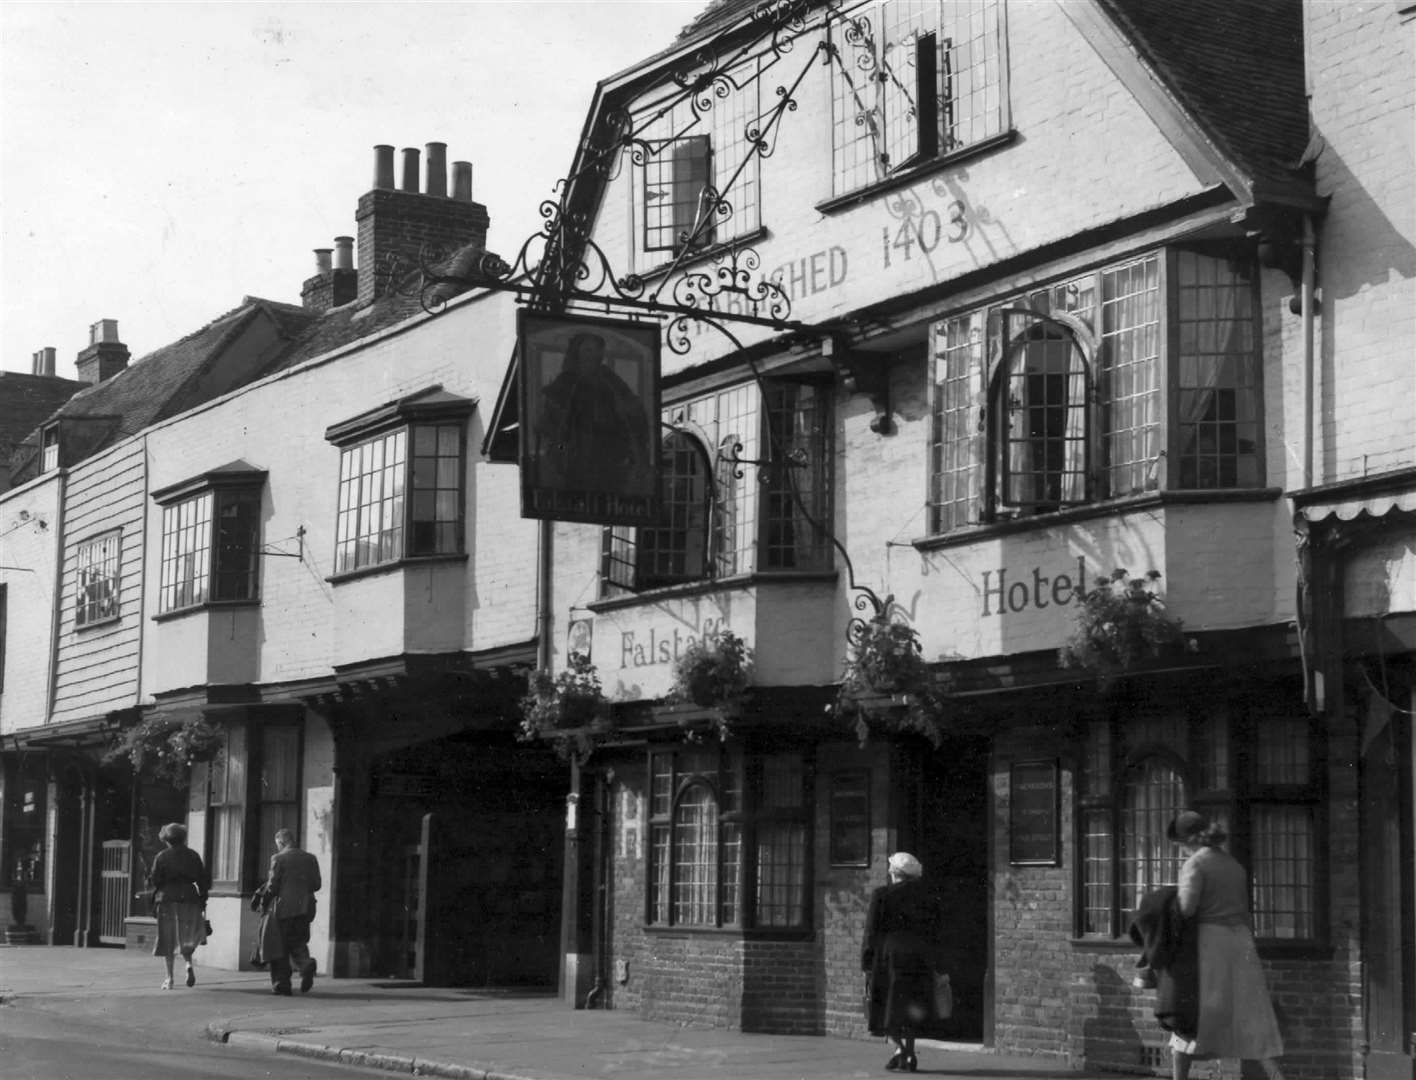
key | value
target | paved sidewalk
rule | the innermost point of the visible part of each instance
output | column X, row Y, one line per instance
column 460, row 1034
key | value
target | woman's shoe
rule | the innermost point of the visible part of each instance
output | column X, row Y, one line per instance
column 911, row 1063
column 896, row 1062
column 191, row 976
column 167, row 984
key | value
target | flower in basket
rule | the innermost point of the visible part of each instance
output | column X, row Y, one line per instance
column 1121, row 623
column 571, row 700
column 713, row 672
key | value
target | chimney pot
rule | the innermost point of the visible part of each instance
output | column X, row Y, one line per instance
column 462, row 181
column 437, row 169
column 383, row 166
column 44, row 361
column 103, row 330
column 322, row 260
column 344, row 253
column 410, row 169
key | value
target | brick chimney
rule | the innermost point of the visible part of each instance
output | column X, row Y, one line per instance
column 44, row 362
column 105, row 356
column 335, row 282
column 396, row 225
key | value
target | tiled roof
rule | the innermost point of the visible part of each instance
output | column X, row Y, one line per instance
column 1237, row 68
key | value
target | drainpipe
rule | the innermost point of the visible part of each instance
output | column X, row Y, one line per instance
column 1309, row 357
column 543, row 597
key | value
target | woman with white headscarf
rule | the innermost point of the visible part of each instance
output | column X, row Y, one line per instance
column 899, row 954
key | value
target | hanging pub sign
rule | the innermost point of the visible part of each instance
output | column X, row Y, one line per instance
column 589, row 419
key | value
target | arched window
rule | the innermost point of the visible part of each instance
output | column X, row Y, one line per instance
column 1139, row 769
column 1042, row 391
column 1154, row 792
column 676, row 550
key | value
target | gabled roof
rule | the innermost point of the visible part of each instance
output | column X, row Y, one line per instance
column 1235, row 70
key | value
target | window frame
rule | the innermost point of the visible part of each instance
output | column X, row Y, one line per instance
column 1133, row 439
column 49, row 441
column 856, row 50
column 86, row 610
column 246, row 802
column 242, row 487
column 712, row 129
column 430, row 409
column 1231, row 798
column 739, row 536
column 735, row 783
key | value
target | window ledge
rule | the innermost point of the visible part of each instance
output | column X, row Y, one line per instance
column 207, row 605
column 912, row 173
column 738, row 932
column 699, row 588
column 706, row 254
column 410, row 562
column 94, row 624
column 972, row 533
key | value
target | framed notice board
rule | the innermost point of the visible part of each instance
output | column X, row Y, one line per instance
column 1033, row 832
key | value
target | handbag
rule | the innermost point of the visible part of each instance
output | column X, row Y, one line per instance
column 943, row 996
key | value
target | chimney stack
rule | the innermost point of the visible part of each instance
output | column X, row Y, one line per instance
column 44, row 362
column 105, row 356
column 398, row 228
column 335, row 283
column 410, row 169
column 462, row 181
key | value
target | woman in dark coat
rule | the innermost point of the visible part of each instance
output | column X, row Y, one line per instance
column 180, row 883
column 899, row 954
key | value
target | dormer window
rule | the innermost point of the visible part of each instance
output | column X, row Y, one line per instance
column 211, row 539
column 912, row 81
column 49, row 449
column 402, row 471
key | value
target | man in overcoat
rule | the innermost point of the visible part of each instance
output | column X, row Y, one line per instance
column 290, row 891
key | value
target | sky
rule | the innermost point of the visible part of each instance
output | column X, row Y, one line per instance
column 160, row 161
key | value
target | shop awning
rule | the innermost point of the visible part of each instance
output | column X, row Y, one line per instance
column 1375, row 496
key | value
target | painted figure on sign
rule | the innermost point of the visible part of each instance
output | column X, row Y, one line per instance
column 593, row 430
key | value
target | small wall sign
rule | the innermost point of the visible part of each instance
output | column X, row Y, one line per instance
column 850, row 818
column 1033, row 833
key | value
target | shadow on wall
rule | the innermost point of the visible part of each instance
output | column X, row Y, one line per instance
column 1110, row 1039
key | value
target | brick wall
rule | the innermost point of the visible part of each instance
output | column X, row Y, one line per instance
column 1059, row 997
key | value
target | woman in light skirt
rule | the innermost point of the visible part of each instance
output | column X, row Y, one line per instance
column 1236, row 1017
column 180, row 883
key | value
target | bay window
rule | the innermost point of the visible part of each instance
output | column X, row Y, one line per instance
column 210, row 539
column 1057, row 397
column 746, row 479
column 402, row 472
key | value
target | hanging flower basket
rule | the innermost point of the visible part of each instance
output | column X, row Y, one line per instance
column 565, row 710
column 166, row 747
column 886, row 684
column 714, row 673
column 1121, row 624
